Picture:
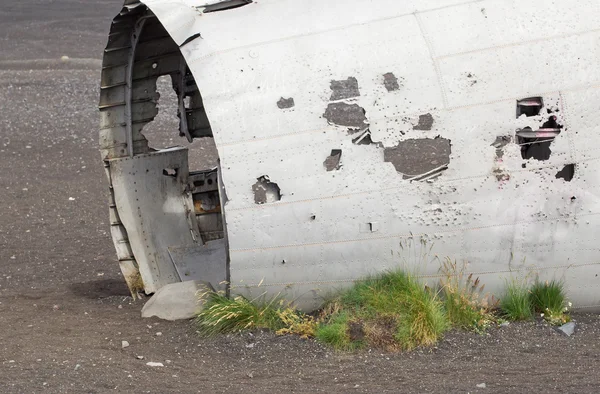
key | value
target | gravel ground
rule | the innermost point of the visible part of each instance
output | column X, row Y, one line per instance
column 64, row 309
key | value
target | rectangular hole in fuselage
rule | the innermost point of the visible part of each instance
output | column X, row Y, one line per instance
column 530, row 106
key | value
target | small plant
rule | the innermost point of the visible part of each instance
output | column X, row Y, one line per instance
column 391, row 310
column 424, row 320
column 222, row 314
column 516, row 304
column 296, row 323
column 462, row 297
column 334, row 332
column 549, row 299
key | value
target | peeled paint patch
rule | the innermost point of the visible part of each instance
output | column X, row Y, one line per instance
column 425, row 122
column 265, row 191
column 343, row 114
column 390, row 82
column 500, row 143
column 344, row 89
column 284, row 103
column 566, row 173
column 332, row 162
column 416, row 157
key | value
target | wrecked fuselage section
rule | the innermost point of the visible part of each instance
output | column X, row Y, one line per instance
column 335, row 150
column 162, row 215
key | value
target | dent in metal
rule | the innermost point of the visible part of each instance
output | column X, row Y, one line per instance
column 364, row 138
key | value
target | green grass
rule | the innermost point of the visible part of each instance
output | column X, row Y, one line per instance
column 223, row 315
column 550, row 300
column 392, row 310
column 423, row 320
column 516, row 304
column 462, row 297
column 335, row 332
column 548, row 296
column 520, row 301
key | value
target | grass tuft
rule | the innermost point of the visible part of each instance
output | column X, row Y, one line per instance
column 334, row 332
column 391, row 310
column 548, row 296
column 549, row 299
column 424, row 320
column 224, row 315
column 227, row 315
column 515, row 304
column 462, row 297
column 296, row 323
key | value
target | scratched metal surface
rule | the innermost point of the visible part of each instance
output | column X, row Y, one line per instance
column 463, row 65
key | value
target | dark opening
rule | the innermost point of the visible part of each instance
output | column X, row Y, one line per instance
column 567, row 173
column 529, row 106
column 207, row 206
column 535, row 144
column 190, row 39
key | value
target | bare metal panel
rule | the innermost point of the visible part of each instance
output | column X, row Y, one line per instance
column 201, row 262
column 156, row 210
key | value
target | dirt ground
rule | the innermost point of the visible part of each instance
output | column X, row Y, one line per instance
column 64, row 308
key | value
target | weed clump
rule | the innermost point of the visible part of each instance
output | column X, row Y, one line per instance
column 520, row 301
column 462, row 298
column 515, row 304
column 296, row 323
column 334, row 331
column 549, row 299
column 223, row 315
column 228, row 315
column 392, row 310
